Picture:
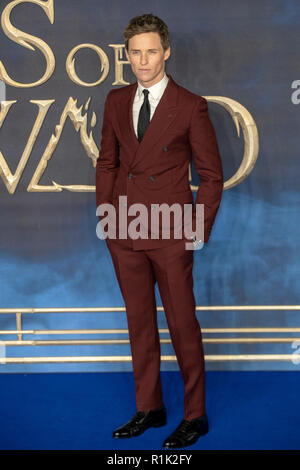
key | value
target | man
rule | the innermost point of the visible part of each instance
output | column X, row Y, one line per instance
column 150, row 130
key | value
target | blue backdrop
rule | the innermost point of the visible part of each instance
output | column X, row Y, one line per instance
column 50, row 255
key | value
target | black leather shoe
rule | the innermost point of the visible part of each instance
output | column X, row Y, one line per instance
column 141, row 421
column 187, row 433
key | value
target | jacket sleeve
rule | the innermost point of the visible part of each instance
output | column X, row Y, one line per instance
column 208, row 164
column 108, row 160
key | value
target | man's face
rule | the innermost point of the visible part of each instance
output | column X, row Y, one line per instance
column 147, row 58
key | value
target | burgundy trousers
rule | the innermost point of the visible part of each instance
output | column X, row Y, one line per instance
column 137, row 272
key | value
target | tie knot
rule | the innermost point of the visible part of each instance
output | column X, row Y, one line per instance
column 145, row 91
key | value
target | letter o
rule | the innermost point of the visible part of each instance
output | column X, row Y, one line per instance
column 70, row 64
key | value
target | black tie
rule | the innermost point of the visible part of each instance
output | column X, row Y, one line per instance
column 144, row 116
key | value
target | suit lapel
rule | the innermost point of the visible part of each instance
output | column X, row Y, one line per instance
column 165, row 113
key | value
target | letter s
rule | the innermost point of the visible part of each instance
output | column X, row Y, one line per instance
column 25, row 39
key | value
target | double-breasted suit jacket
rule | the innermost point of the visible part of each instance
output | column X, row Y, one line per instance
column 156, row 170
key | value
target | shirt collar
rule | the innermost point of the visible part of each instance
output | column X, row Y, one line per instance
column 154, row 90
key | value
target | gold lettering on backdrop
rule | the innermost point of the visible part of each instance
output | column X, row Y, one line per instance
column 80, row 123
column 70, row 64
column 240, row 116
column 239, row 113
column 119, row 63
column 25, row 40
column 11, row 180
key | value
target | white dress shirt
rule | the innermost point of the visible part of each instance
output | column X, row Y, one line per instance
column 155, row 93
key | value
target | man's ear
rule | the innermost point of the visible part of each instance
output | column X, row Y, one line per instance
column 167, row 53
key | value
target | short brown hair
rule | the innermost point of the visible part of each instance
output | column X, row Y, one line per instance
column 145, row 24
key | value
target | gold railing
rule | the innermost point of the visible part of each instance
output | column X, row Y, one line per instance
column 19, row 332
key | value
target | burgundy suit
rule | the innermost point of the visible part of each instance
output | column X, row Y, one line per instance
column 152, row 172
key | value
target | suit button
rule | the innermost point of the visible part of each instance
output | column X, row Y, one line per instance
column 165, row 149
column 130, row 175
column 152, row 178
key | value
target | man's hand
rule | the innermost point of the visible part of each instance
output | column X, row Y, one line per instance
column 198, row 244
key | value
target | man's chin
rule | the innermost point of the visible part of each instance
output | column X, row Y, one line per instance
column 145, row 76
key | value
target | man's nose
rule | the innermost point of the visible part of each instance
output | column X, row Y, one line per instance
column 144, row 59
